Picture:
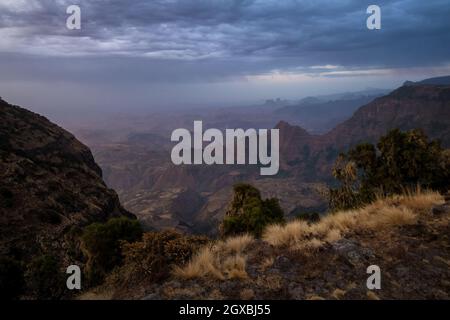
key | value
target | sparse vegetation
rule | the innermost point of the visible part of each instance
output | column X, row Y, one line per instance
column 249, row 213
column 382, row 213
column 44, row 278
column 400, row 161
column 101, row 243
column 157, row 252
column 223, row 260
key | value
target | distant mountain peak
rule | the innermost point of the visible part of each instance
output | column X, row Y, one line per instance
column 284, row 125
column 437, row 81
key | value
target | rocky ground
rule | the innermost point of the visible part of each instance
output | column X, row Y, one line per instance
column 414, row 261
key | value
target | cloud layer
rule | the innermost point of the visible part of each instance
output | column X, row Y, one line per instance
column 309, row 32
column 176, row 41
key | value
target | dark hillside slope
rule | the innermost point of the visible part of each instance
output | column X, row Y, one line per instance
column 50, row 187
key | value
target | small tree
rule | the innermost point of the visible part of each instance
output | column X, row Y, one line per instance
column 44, row 278
column 401, row 160
column 102, row 244
column 249, row 213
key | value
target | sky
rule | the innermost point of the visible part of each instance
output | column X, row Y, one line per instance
column 185, row 53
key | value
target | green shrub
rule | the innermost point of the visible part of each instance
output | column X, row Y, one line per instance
column 249, row 213
column 44, row 278
column 102, row 245
column 400, row 161
column 152, row 258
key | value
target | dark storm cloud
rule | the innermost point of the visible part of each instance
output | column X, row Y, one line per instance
column 309, row 32
column 124, row 44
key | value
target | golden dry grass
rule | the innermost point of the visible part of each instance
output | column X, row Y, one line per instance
column 383, row 213
column 223, row 260
column 235, row 244
column 267, row 263
column 247, row 294
column 338, row 294
column 227, row 259
column 96, row 294
column 372, row 295
column 286, row 234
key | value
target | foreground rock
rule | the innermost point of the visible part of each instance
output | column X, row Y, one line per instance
column 414, row 259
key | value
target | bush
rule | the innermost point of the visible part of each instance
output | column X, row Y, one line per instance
column 400, row 161
column 154, row 256
column 44, row 278
column 248, row 213
column 102, row 245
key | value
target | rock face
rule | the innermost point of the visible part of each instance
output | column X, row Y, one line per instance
column 409, row 107
column 321, row 115
column 50, row 188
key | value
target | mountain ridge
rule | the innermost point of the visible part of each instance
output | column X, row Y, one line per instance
column 51, row 188
column 152, row 187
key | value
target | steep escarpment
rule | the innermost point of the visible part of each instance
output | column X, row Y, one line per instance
column 140, row 169
column 50, row 187
column 409, row 107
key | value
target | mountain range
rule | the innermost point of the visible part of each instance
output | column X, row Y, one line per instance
column 51, row 186
column 149, row 185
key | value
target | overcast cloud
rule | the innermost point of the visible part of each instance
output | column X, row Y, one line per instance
column 168, row 52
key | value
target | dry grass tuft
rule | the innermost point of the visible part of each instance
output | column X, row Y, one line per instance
column 308, row 246
column 388, row 216
column 382, row 214
column 315, row 297
column 267, row 263
column 247, row 294
column 372, row 295
column 333, row 235
column 203, row 264
column 96, row 294
column 286, row 235
column 224, row 260
column 418, row 200
column 338, row 294
column 235, row 244
column 227, row 259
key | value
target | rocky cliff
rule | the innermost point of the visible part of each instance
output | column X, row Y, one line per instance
column 50, row 187
column 409, row 107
